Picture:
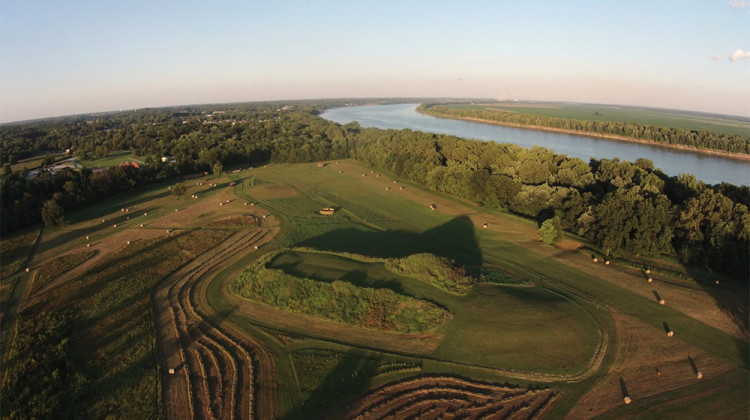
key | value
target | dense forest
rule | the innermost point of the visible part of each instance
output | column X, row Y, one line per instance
column 619, row 206
column 699, row 139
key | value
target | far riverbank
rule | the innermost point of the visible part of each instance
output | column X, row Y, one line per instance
column 737, row 156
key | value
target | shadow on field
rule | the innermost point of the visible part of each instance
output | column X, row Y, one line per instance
column 346, row 381
column 732, row 296
column 454, row 240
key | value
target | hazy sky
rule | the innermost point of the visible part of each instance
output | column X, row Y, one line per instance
column 68, row 57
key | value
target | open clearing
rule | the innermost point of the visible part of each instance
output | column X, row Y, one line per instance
column 150, row 274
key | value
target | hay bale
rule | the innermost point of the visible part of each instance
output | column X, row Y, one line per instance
column 245, row 203
column 122, row 209
column 127, row 218
column 176, row 210
column 596, row 259
column 171, row 371
column 104, row 221
column 128, row 242
column 699, row 375
column 88, row 245
column 717, row 282
column 670, row 333
column 87, row 237
column 661, row 302
column 256, row 247
column 627, row 400
column 484, row 226
column 114, row 226
column 650, row 280
column 141, row 224
column 27, row 269
column 648, row 271
column 606, row 262
column 145, row 214
column 252, row 204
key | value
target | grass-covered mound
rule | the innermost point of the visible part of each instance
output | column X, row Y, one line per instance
column 340, row 301
column 433, row 269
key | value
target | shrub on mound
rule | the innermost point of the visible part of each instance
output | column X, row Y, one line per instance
column 379, row 309
column 435, row 270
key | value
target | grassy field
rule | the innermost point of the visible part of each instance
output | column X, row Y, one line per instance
column 114, row 159
column 658, row 117
column 557, row 330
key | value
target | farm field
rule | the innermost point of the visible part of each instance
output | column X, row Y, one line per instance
column 718, row 124
column 146, row 282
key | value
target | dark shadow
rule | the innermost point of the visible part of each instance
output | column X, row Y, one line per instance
column 666, row 328
column 692, row 364
column 454, row 240
column 656, row 295
column 732, row 296
column 623, row 388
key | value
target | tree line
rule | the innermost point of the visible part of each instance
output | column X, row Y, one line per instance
column 619, row 206
column 700, row 139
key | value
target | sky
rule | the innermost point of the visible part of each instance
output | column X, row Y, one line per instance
column 70, row 57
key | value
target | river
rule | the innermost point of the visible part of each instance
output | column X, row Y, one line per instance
column 710, row 169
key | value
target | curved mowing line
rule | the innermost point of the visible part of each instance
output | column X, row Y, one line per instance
column 211, row 396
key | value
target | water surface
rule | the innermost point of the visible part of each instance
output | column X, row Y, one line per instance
column 708, row 168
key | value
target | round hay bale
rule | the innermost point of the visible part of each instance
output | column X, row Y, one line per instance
column 122, row 209
column 670, row 333
column 127, row 210
column 256, row 247
column 127, row 218
column 717, row 282
column 145, row 214
column 245, row 203
column 141, row 224
column 221, row 204
column 114, row 226
column 104, row 221
column 661, row 302
column 699, row 375
column 606, row 262
column 484, row 226
column 650, row 280
column 596, row 259
column 648, row 271
column 27, row 269
column 627, row 400
column 88, row 245
column 87, row 237
column 341, row 172
column 128, row 242
column 169, row 188
column 176, row 210
column 252, row 204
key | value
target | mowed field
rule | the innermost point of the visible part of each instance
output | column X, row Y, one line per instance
column 573, row 340
column 658, row 117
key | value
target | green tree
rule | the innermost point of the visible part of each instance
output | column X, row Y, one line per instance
column 178, row 190
column 550, row 231
column 52, row 214
column 218, row 169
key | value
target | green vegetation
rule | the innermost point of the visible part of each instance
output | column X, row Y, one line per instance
column 57, row 266
column 501, row 278
column 106, row 338
column 45, row 346
column 549, row 231
column 15, row 252
column 340, row 301
column 111, row 159
column 98, row 330
column 701, row 139
column 718, row 124
column 434, row 270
